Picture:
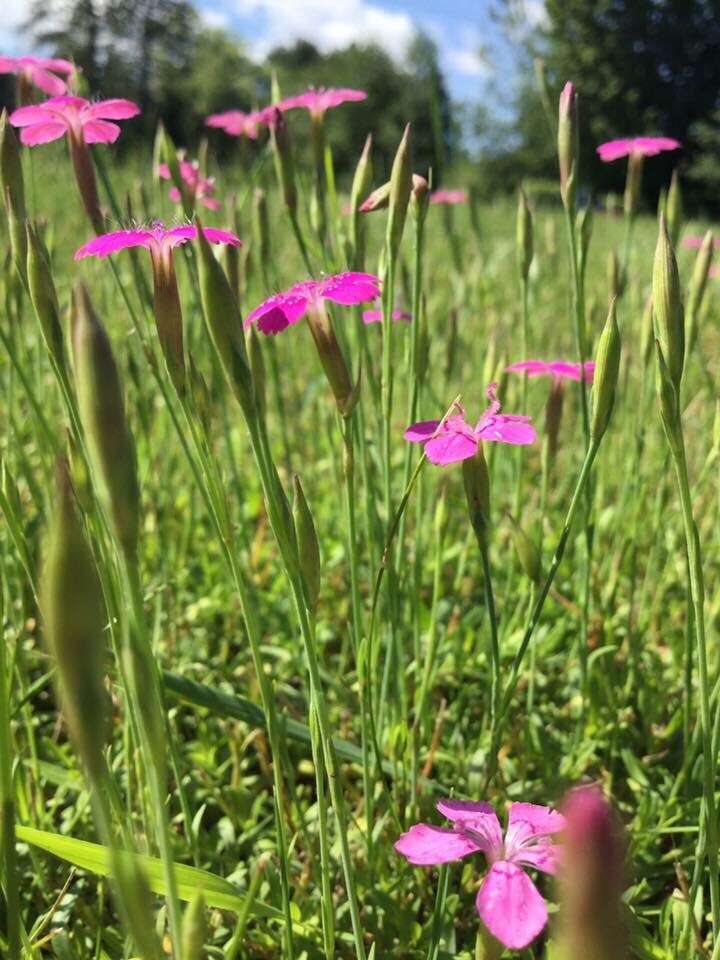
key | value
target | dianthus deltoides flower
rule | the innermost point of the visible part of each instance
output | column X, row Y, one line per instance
column 237, row 123
column 508, row 902
column 635, row 146
column 375, row 316
column 317, row 101
column 453, row 439
column 307, row 299
column 201, row 189
column 40, row 72
column 448, row 197
column 160, row 241
column 558, row 369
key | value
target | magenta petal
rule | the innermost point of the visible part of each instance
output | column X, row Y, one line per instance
column 100, row 131
column 350, row 288
column 215, row 235
column 47, row 82
column 210, row 202
column 450, row 447
column 544, row 821
column 116, row 109
column 42, row 133
column 424, row 845
column 614, row 149
column 108, row 243
column 28, row 116
column 510, row 906
column 503, row 428
column 422, row 431
column 543, row 856
column 465, row 809
column 273, row 321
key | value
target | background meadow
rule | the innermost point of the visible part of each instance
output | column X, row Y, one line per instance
column 251, row 634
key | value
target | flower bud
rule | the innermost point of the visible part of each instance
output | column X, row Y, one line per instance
column 284, row 166
column 633, row 184
column 194, row 928
column 568, row 144
column 11, row 179
column 72, row 608
column 257, row 369
column 585, row 225
column 527, row 551
column 168, row 318
column 400, row 187
column 523, row 236
column 224, row 323
column 696, row 293
column 614, row 278
column 674, row 210
column 476, row 480
column 379, row 199
column 543, row 84
column 332, row 359
column 362, row 179
column 553, row 416
column 44, row 298
column 261, row 228
column 419, row 197
column 308, row 545
column 85, row 177
column 591, row 880
column 667, row 306
column 102, row 412
column 607, row 366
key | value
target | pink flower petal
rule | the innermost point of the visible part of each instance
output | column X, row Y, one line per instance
column 424, row 845
column 42, row 133
column 27, row 116
column 210, row 202
column 47, row 82
column 614, row 149
column 465, row 809
column 449, row 197
column 481, row 819
column 108, row 243
column 506, row 428
column 541, row 856
column 175, row 195
column 510, row 906
column 116, row 109
column 555, row 368
column 544, row 821
column 450, row 447
column 350, row 288
column 100, row 131
column 375, row 316
column 422, row 431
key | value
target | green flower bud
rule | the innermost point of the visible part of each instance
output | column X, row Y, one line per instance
column 585, row 225
column 667, row 305
column 379, row 199
column 476, row 480
column 284, row 165
column 11, row 179
column 72, row 608
column 400, row 187
column 261, row 226
column 44, row 298
column 102, row 412
column 674, row 210
column 419, row 197
column 308, row 545
column 524, row 236
column 633, row 184
column 568, row 145
column 614, row 278
column 194, row 928
column 607, row 367
column 527, row 551
column 360, row 186
column 698, row 282
column 168, row 318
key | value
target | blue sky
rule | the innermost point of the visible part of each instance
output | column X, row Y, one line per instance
column 473, row 48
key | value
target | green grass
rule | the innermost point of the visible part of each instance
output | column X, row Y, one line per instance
column 635, row 730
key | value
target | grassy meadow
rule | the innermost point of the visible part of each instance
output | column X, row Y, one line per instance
column 251, row 634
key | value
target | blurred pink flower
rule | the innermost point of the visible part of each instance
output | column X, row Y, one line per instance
column 317, row 101
column 508, row 902
column 238, row 124
column 199, row 188
column 39, row 71
column 558, row 369
column 158, row 239
column 375, row 315
column 453, row 439
column 287, row 308
column 84, row 121
column 449, row 196
column 694, row 242
column 643, row 146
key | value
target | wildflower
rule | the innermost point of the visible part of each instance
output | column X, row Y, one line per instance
column 238, row 124
column 39, row 72
column 200, row 188
column 453, row 439
column 695, row 241
column 287, row 308
column 80, row 119
column 317, row 101
column 159, row 240
column 449, row 197
column 375, row 316
column 568, row 144
column 638, row 146
column 558, row 369
column 508, row 902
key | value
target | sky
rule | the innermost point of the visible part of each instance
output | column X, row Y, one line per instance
column 473, row 47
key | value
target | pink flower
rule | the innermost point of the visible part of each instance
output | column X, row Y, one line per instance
column 375, row 316
column 238, row 124
column 199, row 188
column 320, row 100
column 508, row 901
column 558, row 369
column 158, row 239
column 449, row 196
column 39, row 71
column 642, row 146
column 453, row 439
column 285, row 309
column 695, row 242
column 82, row 120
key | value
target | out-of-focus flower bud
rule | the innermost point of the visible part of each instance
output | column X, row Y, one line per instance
column 674, row 210
column 308, row 545
column 523, row 236
column 667, row 306
column 400, row 187
column 284, row 165
column 194, row 928
column 44, row 298
column 607, row 367
column 362, row 179
column 696, row 293
column 527, row 551
column 568, row 145
column 11, row 179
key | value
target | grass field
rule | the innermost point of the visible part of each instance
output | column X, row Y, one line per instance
column 204, row 660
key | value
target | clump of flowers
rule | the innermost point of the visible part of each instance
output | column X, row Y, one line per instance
column 454, row 439
column 200, row 189
column 508, row 902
